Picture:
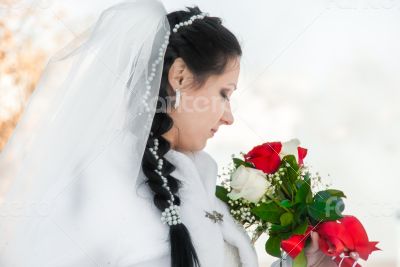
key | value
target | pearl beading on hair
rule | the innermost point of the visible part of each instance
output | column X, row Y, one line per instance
column 161, row 53
column 170, row 215
column 189, row 21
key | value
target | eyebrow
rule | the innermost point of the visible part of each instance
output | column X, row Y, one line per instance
column 234, row 85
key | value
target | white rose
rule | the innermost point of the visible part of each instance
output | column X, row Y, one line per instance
column 248, row 183
column 290, row 148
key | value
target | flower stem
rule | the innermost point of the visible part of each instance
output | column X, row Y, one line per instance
column 286, row 191
column 279, row 204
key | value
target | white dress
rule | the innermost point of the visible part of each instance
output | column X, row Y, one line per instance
column 103, row 219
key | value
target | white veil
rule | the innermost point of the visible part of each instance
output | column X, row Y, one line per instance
column 91, row 93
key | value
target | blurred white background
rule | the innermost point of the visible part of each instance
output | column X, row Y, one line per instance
column 326, row 72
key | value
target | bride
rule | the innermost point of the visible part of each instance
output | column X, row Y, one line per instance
column 106, row 166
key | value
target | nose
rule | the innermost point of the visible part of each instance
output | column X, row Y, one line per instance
column 227, row 117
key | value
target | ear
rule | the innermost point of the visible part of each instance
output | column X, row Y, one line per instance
column 179, row 74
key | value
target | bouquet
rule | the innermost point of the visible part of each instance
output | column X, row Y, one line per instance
column 270, row 190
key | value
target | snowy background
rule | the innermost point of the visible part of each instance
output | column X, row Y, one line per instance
column 326, row 72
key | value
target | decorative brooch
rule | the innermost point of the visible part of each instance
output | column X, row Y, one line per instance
column 214, row 216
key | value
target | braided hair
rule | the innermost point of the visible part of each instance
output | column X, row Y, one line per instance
column 205, row 46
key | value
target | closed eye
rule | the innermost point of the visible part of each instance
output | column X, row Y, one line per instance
column 224, row 94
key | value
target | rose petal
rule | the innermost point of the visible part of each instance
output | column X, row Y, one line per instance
column 302, row 153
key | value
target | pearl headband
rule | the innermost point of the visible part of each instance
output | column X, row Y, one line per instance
column 189, row 21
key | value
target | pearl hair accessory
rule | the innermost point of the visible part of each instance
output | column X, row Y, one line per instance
column 170, row 215
column 161, row 52
column 189, row 21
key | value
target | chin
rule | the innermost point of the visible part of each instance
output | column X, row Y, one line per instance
column 194, row 146
column 200, row 146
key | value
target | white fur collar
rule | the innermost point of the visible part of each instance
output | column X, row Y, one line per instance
column 198, row 171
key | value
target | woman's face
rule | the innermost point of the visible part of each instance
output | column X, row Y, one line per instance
column 202, row 110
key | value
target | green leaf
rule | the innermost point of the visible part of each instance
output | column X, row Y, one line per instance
column 221, row 192
column 300, row 260
column 326, row 207
column 307, row 178
column 286, row 235
column 286, row 218
column 283, row 232
column 269, row 212
column 304, row 194
column 300, row 212
column 273, row 246
column 335, row 192
column 301, row 228
column 286, row 203
column 238, row 162
column 293, row 170
column 278, row 228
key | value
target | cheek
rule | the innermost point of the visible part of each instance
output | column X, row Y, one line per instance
column 193, row 132
column 200, row 115
column 201, row 104
column 207, row 113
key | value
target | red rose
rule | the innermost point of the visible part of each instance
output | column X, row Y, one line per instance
column 295, row 244
column 345, row 236
column 265, row 157
column 302, row 152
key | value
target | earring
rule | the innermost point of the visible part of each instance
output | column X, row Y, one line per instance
column 177, row 98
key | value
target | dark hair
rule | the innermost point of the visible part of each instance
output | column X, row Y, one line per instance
column 206, row 47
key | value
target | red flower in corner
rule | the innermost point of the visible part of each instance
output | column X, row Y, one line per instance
column 345, row 236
